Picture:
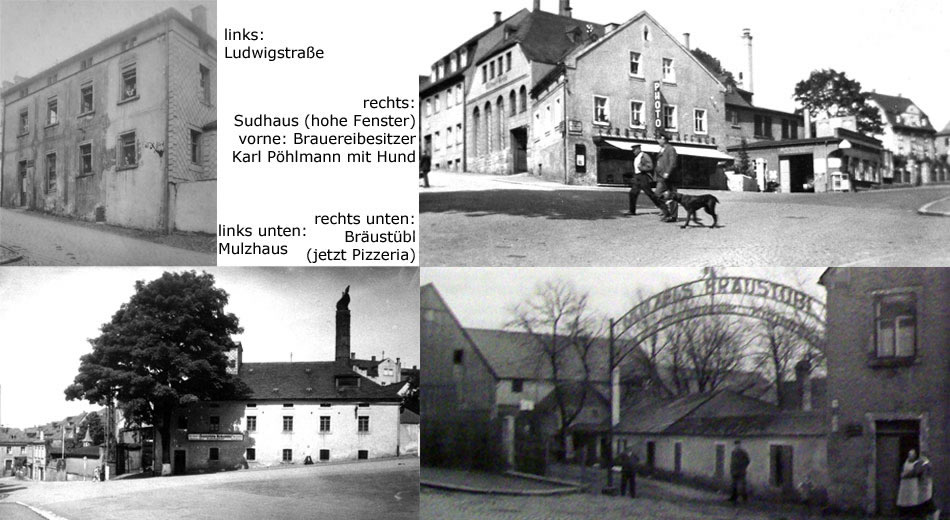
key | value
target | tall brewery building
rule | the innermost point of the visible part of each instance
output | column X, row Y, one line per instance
column 299, row 412
column 122, row 132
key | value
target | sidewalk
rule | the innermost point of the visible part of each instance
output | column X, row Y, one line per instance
column 446, row 181
column 937, row 208
column 509, row 483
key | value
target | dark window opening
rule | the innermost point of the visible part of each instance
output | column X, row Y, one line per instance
column 85, row 96
column 251, row 423
column 288, row 423
column 182, row 422
column 288, row 455
column 458, row 356
column 127, row 150
column 363, row 424
column 85, row 159
column 362, row 454
column 324, row 454
column 324, row 424
column 517, row 385
column 251, row 454
column 214, row 454
column 215, row 423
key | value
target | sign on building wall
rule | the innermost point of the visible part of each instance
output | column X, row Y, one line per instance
column 575, row 127
column 657, row 106
column 215, row 436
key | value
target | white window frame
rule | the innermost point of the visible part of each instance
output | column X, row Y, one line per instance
column 675, row 117
column 448, row 137
column 705, row 121
column 606, row 121
column 458, row 94
column 92, row 97
column 458, row 133
column 671, row 76
column 438, row 103
column 428, row 107
column 642, row 113
column 638, row 61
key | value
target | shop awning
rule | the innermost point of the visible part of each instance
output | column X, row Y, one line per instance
column 709, row 153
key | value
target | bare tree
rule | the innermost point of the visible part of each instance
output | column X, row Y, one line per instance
column 563, row 331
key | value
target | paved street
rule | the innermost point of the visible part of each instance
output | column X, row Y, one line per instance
column 42, row 240
column 472, row 220
column 17, row 512
column 373, row 489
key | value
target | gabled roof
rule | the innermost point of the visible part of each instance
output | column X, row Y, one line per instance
column 518, row 355
column 946, row 130
column 643, row 14
column 770, row 424
column 311, row 380
column 658, row 416
column 429, row 298
column 894, row 106
column 544, row 37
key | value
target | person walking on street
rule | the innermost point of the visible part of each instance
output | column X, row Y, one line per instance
column 738, row 464
column 425, row 166
column 628, row 472
column 666, row 163
column 642, row 180
column 915, row 493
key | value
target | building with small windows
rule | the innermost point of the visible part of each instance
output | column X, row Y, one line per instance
column 887, row 384
column 908, row 137
column 298, row 413
column 122, row 132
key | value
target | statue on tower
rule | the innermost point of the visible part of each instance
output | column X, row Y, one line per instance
column 344, row 303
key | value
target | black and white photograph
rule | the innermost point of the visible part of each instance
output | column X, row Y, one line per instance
column 109, row 133
column 597, row 133
column 244, row 393
column 671, row 393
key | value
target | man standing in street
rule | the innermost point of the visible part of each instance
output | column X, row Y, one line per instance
column 738, row 464
column 628, row 472
column 666, row 163
column 641, row 181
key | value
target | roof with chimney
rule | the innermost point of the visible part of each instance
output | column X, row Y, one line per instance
column 168, row 14
column 323, row 380
column 895, row 106
column 16, row 437
column 544, row 37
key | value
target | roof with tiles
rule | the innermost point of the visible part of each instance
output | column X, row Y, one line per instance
column 894, row 106
column 313, row 380
column 544, row 37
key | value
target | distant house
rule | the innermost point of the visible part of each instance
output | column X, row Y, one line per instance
column 21, row 452
column 908, row 137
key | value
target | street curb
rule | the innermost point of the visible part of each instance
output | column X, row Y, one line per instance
column 45, row 514
column 7, row 256
column 925, row 209
column 568, row 489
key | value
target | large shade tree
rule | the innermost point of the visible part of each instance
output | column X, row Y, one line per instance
column 830, row 93
column 163, row 348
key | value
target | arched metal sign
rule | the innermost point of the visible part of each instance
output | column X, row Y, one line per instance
column 784, row 306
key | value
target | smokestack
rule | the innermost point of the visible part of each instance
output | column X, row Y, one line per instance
column 343, row 327
column 747, row 36
column 807, row 122
column 199, row 16
column 803, row 382
column 537, row 5
column 686, row 40
column 497, row 17
column 564, row 8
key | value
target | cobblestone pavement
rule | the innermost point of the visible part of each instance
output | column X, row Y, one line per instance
column 374, row 489
column 524, row 226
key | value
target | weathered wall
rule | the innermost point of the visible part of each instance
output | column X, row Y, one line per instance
column 408, row 439
column 187, row 108
column 861, row 391
column 193, row 206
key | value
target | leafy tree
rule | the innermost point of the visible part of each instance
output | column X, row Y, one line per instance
column 165, row 347
column 830, row 93
column 715, row 66
column 96, row 428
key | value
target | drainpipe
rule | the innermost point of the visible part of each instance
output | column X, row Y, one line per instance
column 567, row 153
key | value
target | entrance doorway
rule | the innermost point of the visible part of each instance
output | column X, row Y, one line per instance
column 179, row 467
column 800, row 172
column 894, row 439
column 22, row 182
column 519, row 149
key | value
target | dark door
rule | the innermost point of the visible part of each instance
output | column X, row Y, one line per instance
column 720, row 461
column 677, row 457
column 894, row 440
column 651, row 454
column 781, row 464
column 23, row 187
column 179, row 467
column 519, row 149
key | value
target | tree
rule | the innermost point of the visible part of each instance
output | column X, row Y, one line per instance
column 562, row 332
column 715, row 66
column 96, row 428
column 162, row 349
column 829, row 93
column 743, row 163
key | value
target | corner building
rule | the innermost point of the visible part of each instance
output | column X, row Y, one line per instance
column 122, row 132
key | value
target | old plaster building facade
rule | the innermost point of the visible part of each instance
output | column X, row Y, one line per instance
column 321, row 411
column 888, row 389
column 908, row 138
column 122, row 132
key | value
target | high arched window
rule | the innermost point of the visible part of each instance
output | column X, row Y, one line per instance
column 476, row 120
column 513, row 102
column 523, row 94
column 500, row 126
column 488, row 128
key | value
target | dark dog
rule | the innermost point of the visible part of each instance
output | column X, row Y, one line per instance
column 692, row 204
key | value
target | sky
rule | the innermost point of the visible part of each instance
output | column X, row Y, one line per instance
column 70, row 27
column 47, row 315
column 894, row 47
column 484, row 297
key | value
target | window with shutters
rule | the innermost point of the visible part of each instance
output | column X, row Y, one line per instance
column 127, row 149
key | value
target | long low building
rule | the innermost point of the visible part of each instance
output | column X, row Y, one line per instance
column 298, row 412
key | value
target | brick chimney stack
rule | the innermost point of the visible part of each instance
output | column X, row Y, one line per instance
column 747, row 80
column 803, row 382
column 565, row 8
column 537, row 5
column 199, row 16
column 343, row 327
column 497, row 17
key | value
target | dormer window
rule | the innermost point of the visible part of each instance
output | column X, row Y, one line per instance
column 347, row 382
